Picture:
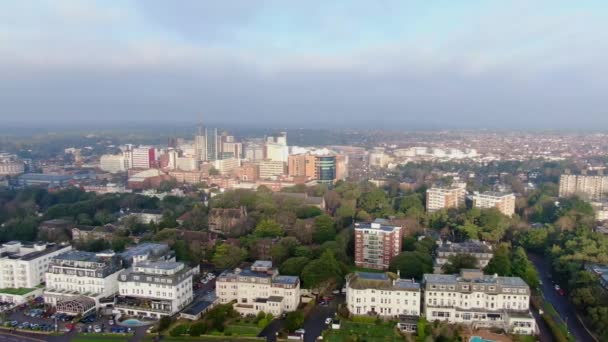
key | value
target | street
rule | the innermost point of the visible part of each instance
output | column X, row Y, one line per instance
column 314, row 324
column 561, row 304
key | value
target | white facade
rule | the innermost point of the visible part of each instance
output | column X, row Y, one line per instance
column 154, row 289
column 504, row 202
column 271, row 169
column 186, row 163
column 75, row 274
column 140, row 158
column 443, row 198
column 225, row 166
column 479, row 300
column 382, row 294
column 24, row 266
column 113, row 163
column 259, row 288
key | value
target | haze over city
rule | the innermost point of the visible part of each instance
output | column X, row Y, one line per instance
column 398, row 64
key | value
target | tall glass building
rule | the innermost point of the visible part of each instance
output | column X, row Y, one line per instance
column 326, row 169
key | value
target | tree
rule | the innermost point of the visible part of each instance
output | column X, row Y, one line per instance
column 228, row 256
column 376, row 202
column 459, row 261
column 197, row 329
column 168, row 185
column 523, row 268
column 322, row 270
column 164, row 323
column 119, row 244
column 325, row 229
column 308, row 212
column 294, row 320
column 213, row 171
column 179, row 330
column 500, row 263
column 412, row 264
column 294, row 266
column 268, row 228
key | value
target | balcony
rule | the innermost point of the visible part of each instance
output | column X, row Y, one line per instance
column 144, row 304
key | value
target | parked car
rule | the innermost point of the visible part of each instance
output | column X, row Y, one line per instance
column 111, row 322
column 300, row 331
column 328, row 320
column 97, row 329
column 561, row 292
column 557, row 287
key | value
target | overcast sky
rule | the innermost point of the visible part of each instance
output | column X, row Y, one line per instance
column 311, row 63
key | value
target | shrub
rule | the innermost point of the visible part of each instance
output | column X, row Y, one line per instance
column 197, row 329
column 179, row 330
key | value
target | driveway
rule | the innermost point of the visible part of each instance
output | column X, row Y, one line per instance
column 564, row 308
column 315, row 323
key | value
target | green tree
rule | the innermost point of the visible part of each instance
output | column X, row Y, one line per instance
column 459, row 261
column 375, row 202
column 198, row 328
column 325, row 229
column 308, row 212
column 412, row 264
column 294, row 266
column 294, row 320
column 322, row 270
column 500, row 263
column 268, row 228
column 228, row 256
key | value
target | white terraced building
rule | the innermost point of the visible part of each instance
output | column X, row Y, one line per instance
column 259, row 288
column 154, row 289
column 382, row 294
column 23, row 265
column 479, row 300
column 82, row 276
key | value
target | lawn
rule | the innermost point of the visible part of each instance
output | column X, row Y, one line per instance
column 97, row 338
column 206, row 338
column 364, row 331
column 240, row 329
column 20, row 291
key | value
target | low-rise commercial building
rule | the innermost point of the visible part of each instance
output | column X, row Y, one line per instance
column 479, row 300
column 259, row 288
column 382, row 294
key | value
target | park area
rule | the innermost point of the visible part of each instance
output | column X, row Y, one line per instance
column 371, row 332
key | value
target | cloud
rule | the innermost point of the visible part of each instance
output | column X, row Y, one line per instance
column 310, row 63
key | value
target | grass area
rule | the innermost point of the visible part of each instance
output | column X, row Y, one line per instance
column 364, row 331
column 240, row 329
column 19, row 291
column 556, row 325
column 97, row 338
column 206, row 338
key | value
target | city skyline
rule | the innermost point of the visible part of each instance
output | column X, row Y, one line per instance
column 387, row 64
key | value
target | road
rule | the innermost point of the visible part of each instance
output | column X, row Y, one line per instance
column 314, row 324
column 561, row 304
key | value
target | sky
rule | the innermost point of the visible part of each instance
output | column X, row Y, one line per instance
column 314, row 63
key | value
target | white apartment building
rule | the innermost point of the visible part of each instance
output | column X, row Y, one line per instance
column 589, row 187
column 225, row 166
column 154, row 289
column 504, row 202
column 77, row 275
column 480, row 250
column 479, row 300
column 259, row 288
column 443, row 198
column 382, row 294
column 271, row 169
column 113, row 163
column 141, row 157
column 11, row 168
column 23, row 265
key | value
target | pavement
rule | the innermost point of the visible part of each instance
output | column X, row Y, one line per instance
column 314, row 324
column 562, row 305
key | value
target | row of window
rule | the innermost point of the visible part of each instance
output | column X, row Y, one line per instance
column 476, row 288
